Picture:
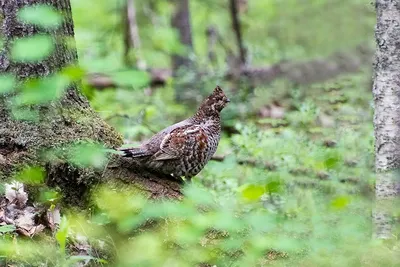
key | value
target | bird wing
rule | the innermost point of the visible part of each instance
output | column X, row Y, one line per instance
column 175, row 143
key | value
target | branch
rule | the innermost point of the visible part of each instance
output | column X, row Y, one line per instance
column 154, row 184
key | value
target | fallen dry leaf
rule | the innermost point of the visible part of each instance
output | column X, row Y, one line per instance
column 15, row 193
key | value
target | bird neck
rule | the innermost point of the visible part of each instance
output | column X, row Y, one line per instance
column 206, row 117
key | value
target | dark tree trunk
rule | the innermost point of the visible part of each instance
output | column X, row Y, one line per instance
column 181, row 21
column 60, row 122
column 236, row 26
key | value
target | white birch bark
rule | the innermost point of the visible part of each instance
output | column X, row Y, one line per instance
column 386, row 92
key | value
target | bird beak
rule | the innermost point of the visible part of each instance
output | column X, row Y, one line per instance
column 228, row 100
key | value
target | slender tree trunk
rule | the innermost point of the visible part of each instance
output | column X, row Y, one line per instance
column 131, row 36
column 212, row 38
column 236, row 26
column 386, row 91
column 181, row 21
column 61, row 122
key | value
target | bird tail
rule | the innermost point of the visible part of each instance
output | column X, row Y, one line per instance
column 134, row 152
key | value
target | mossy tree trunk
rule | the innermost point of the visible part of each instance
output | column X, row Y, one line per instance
column 66, row 120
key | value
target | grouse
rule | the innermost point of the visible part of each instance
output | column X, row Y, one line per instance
column 183, row 149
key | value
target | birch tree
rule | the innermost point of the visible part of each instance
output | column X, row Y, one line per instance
column 386, row 92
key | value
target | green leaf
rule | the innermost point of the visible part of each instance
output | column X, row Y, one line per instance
column 7, row 228
column 48, row 195
column 43, row 90
column 331, row 162
column 340, row 202
column 198, row 195
column 41, row 15
column 32, row 49
column 252, row 192
column 62, row 234
column 273, row 186
column 89, row 155
column 31, row 175
column 134, row 79
column 74, row 73
column 7, row 83
column 226, row 220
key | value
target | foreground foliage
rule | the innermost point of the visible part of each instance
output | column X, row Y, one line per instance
column 309, row 206
column 293, row 185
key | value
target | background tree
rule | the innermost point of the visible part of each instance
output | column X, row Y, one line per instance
column 181, row 22
column 386, row 92
column 132, row 44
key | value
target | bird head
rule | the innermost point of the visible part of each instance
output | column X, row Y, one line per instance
column 215, row 102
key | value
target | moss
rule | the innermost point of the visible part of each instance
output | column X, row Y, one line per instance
column 60, row 123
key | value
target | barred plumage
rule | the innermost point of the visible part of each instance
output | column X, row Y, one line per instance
column 183, row 149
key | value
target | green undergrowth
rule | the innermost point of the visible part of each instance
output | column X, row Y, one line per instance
column 292, row 190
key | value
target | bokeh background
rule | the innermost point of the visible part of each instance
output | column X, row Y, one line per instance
column 292, row 182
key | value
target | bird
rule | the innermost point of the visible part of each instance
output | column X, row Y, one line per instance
column 183, row 149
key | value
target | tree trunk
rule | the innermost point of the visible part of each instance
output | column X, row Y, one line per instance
column 60, row 122
column 131, row 36
column 386, row 91
column 233, row 5
column 181, row 21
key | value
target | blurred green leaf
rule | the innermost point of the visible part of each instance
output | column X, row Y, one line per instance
column 61, row 236
column 332, row 160
column 40, row 91
column 198, row 195
column 252, row 192
column 48, row 195
column 261, row 222
column 226, row 221
column 73, row 73
column 273, row 186
column 31, row 175
column 7, row 83
column 45, row 16
column 87, row 154
column 32, row 49
column 131, row 78
column 7, row 228
column 167, row 39
column 340, row 202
